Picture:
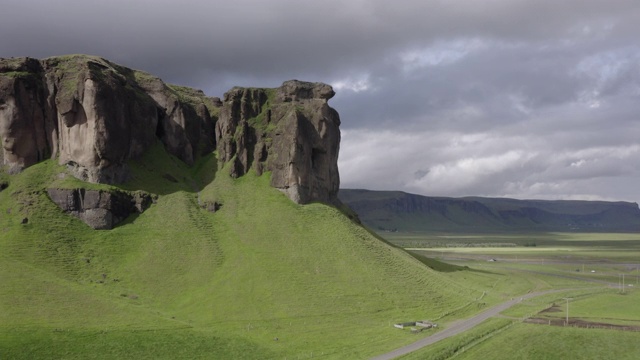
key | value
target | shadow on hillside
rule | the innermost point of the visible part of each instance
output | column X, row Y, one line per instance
column 160, row 173
column 483, row 271
column 427, row 261
column 436, row 264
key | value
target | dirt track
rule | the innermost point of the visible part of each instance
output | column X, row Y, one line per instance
column 581, row 324
column 461, row 326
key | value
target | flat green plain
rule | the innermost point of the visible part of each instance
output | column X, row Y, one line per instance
column 588, row 265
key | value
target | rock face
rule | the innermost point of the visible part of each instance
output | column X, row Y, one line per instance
column 186, row 122
column 100, row 209
column 290, row 131
column 95, row 115
column 27, row 131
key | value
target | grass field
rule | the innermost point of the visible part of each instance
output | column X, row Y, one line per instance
column 509, row 338
column 583, row 262
column 527, row 341
column 614, row 241
column 260, row 278
column 611, row 307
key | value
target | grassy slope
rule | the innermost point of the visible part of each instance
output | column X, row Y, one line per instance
column 180, row 282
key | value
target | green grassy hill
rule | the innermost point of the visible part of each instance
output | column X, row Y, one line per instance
column 260, row 278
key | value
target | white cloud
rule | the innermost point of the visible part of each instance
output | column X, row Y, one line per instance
column 440, row 53
column 357, row 85
column 461, row 175
column 578, row 163
column 485, row 164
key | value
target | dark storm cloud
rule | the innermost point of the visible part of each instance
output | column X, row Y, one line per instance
column 527, row 98
column 269, row 38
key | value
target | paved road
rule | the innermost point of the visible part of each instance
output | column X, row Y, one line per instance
column 461, row 326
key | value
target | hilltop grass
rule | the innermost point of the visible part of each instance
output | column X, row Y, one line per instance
column 188, row 95
column 180, row 282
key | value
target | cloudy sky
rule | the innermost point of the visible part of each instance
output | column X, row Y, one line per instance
column 517, row 98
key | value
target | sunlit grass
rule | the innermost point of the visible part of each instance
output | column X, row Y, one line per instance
column 206, row 285
column 528, row 341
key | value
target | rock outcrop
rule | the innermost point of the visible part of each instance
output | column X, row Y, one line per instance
column 95, row 116
column 27, row 130
column 186, row 123
column 100, row 209
column 290, row 131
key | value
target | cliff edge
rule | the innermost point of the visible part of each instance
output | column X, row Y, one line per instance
column 94, row 116
column 290, row 131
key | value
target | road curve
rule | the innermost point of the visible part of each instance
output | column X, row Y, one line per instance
column 461, row 326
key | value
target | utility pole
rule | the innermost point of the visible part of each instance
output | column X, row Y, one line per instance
column 621, row 282
column 567, row 319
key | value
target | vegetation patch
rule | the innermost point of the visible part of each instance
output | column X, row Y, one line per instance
column 223, row 284
column 457, row 345
column 595, row 311
column 529, row 341
column 18, row 74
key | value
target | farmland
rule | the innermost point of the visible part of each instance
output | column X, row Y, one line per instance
column 588, row 266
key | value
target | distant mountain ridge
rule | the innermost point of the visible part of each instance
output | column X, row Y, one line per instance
column 400, row 211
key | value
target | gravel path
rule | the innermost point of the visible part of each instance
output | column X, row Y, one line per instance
column 460, row 326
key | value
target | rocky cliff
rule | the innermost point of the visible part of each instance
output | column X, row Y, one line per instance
column 290, row 131
column 95, row 116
